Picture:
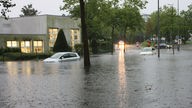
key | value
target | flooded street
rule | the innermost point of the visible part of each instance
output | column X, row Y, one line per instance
column 121, row 80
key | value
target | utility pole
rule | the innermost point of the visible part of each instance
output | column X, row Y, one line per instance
column 84, row 35
column 178, row 39
column 158, row 37
column 178, row 7
column 173, row 42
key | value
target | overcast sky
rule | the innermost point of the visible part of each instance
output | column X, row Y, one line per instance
column 52, row 6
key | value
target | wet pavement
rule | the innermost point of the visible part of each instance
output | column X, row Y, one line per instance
column 121, row 80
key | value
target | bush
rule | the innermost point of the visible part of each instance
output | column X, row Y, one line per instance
column 61, row 43
column 22, row 56
column 13, row 50
column 105, row 47
column 79, row 49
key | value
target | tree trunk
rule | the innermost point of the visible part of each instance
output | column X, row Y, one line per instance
column 84, row 35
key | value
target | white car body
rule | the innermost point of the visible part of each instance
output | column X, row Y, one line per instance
column 62, row 56
column 148, row 51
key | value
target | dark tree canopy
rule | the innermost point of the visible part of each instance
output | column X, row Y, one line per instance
column 6, row 5
column 61, row 43
column 28, row 11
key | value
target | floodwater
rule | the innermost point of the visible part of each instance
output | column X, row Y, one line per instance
column 121, row 80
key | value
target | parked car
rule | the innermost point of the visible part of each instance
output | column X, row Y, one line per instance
column 63, row 56
column 169, row 46
column 148, row 51
column 163, row 45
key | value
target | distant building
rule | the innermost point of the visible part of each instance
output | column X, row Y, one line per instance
column 37, row 34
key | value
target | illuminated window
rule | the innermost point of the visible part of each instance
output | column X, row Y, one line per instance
column 75, row 37
column 52, row 36
column 38, row 46
column 25, row 46
column 12, row 44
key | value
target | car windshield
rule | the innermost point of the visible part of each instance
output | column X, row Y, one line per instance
column 57, row 55
column 147, row 49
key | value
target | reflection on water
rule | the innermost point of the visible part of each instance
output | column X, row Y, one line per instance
column 34, row 84
column 122, row 77
column 121, row 70
column 12, row 68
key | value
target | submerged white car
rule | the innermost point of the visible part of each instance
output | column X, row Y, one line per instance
column 148, row 51
column 62, row 56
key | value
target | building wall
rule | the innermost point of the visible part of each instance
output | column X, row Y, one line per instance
column 24, row 25
column 36, row 28
column 67, row 24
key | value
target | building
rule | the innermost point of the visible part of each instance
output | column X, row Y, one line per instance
column 37, row 34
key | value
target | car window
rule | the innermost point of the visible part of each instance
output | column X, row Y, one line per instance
column 72, row 55
column 69, row 55
column 55, row 56
column 66, row 56
column 147, row 49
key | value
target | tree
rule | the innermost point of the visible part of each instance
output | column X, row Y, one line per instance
column 171, row 24
column 29, row 11
column 6, row 5
column 148, row 28
column 61, row 43
column 186, row 29
column 100, row 16
column 103, row 18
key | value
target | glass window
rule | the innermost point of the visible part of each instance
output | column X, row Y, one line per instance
column 9, row 44
column 27, row 43
column 38, row 46
column 75, row 37
column 12, row 44
column 25, row 46
column 52, row 36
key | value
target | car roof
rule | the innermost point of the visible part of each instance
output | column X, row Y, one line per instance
column 147, row 47
column 65, row 52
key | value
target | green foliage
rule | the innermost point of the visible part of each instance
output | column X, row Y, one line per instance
column 6, row 4
column 79, row 48
column 61, row 43
column 28, row 11
column 94, row 46
column 171, row 24
column 104, row 46
column 12, row 56
column 186, row 28
column 104, row 15
column 12, row 50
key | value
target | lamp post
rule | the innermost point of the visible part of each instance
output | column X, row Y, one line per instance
column 172, row 28
column 178, row 39
column 178, row 7
column 158, row 38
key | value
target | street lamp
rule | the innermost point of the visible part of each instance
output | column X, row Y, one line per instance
column 158, row 38
column 172, row 28
column 178, row 40
column 178, row 7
